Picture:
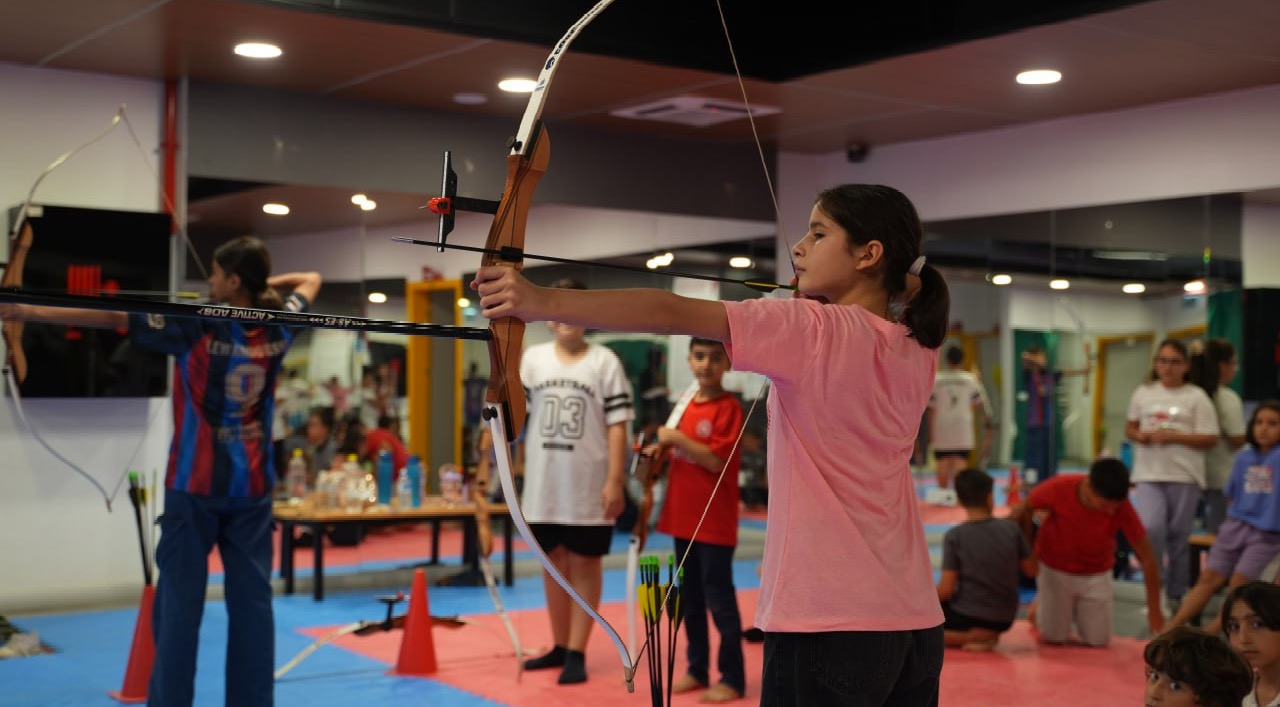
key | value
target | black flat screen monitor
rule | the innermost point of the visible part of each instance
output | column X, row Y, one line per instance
column 93, row 252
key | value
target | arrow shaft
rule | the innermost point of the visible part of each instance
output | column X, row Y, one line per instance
column 243, row 314
column 755, row 285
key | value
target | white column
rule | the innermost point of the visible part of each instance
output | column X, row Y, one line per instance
column 1260, row 245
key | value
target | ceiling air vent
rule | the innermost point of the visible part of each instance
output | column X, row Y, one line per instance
column 692, row 110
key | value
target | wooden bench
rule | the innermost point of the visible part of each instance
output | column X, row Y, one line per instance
column 1200, row 544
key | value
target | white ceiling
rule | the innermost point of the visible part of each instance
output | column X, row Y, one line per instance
column 1145, row 53
column 1149, row 52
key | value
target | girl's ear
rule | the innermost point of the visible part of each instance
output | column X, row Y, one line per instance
column 870, row 255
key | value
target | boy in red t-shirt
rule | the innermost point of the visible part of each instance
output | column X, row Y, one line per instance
column 703, row 450
column 1076, row 545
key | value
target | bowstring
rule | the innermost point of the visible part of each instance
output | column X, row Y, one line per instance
column 121, row 117
column 764, row 164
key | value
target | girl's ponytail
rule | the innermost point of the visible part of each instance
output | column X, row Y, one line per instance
column 927, row 312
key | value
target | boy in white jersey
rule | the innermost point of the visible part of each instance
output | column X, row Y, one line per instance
column 957, row 395
column 575, row 470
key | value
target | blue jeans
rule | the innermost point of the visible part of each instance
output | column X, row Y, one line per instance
column 190, row 527
column 1039, row 454
column 852, row 668
column 708, row 587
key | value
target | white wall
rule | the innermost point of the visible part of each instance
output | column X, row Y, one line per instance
column 1209, row 145
column 62, row 548
column 1081, row 317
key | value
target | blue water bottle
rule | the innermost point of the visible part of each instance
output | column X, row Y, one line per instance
column 415, row 479
column 386, row 474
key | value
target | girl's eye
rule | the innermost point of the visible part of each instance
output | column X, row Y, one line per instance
column 1175, row 686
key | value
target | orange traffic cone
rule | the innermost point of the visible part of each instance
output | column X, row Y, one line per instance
column 417, row 648
column 1014, row 492
column 141, row 655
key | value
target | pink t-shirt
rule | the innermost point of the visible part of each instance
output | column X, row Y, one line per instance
column 844, row 543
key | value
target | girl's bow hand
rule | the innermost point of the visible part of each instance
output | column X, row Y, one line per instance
column 504, row 292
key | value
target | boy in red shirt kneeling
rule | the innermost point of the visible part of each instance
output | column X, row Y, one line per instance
column 1076, row 545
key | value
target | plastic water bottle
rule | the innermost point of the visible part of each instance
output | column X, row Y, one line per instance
column 414, row 472
column 350, row 486
column 404, row 491
column 385, row 474
column 295, row 480
column 451, row 483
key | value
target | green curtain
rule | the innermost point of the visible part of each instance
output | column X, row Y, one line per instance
column 1225, row 313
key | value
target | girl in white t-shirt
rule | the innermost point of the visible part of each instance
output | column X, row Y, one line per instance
column 850, row 378
column 1172, row 423
column 1213, row 367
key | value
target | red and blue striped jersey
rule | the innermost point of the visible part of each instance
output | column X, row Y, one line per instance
column 224, row 380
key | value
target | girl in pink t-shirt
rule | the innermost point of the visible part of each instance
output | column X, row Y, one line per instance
column 847, row 600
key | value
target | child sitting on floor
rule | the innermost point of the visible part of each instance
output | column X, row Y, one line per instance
column 981, row 559
column 1188, row 667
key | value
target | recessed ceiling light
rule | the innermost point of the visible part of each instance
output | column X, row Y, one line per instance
column 517, row 85
column 358, row 199
column 368, row 205
column 1001, row 279
column 1060, row 284
column 377, row 297
column 1133, row 288
column 463, row 302
column 740, row 261
column 470, row 99
column 660, row 261
column 275, row 209
column 258, row 50
column 1037, row 77
column 1194, row 287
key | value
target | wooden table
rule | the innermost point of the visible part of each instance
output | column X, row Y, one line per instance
column 434, row 510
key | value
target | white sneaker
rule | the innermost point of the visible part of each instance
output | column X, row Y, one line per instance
column 21, row 645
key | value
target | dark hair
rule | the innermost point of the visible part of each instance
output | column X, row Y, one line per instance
column 1217, row 675
column 385, row 421
column 1206, row 364
column 1110, row 479
column 955, row 355
column 1262, row 597
column 248, row 258
column 973, row 486
column 1270, row 404
column 1034, row 348
column 870, row 212
column 324, row 415
column 1173, row 344
column 699, row 341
